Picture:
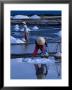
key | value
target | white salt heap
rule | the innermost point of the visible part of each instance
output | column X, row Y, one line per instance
column 13, row 40
column 16, row 28
column 35, row 28
column 19, row 41
column 35, row 17
column 20, row 17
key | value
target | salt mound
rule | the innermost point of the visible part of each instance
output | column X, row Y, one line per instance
column 35, row 28
column 13, row 40
column 36, row 60
column 35, row 17
column 23, row 40
column 20, row 17
column 19, row 41
column 16, row 27
column 59, row 33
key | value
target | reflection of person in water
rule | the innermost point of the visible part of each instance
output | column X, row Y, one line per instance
column 41, row 71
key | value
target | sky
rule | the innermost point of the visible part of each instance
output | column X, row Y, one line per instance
column 13, row 13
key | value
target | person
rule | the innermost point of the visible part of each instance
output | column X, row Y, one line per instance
column 40, row 43
column 26, row 31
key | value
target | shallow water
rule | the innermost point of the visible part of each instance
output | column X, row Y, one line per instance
column 49, row 32
column 22, row 49
column 21, row 70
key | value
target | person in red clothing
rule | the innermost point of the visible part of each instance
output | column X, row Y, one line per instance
column 41, row 69
column 41, row 44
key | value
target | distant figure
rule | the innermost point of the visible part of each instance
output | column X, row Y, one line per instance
column 41, row 44
column 26, row 31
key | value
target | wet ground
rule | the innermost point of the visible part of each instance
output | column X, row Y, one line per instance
column 24, row 70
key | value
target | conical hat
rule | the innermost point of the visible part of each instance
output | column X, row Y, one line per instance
column 41, row 40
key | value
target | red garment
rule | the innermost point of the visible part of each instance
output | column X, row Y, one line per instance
column 41, row 47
